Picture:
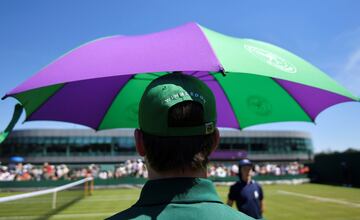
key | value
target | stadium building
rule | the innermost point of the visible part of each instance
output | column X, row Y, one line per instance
column 114, row 146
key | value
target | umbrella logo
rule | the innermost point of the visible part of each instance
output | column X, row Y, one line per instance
column 259, row 105
column 271, row 58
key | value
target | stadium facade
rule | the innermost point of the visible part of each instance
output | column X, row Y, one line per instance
column 114, row 146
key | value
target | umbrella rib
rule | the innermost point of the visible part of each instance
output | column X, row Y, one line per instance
column 193, row 73
column 216, row 59
column 307, row 114
column 206, row 75
column 202, row 75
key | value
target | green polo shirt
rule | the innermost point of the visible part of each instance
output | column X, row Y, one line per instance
column 180, row 198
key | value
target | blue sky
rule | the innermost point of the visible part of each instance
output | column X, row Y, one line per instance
column 326, row 33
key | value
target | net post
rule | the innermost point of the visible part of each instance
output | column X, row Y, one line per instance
column 54, row 200
column 91, row 186
column 86, row 188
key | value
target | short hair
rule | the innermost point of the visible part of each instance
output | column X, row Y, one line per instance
column 166, row 153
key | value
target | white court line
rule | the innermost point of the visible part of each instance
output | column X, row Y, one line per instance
column 84, row 200
column 61, row 216
column 322, row 199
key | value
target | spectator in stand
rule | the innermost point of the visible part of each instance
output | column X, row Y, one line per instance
column 47, row 171
column 136, row 168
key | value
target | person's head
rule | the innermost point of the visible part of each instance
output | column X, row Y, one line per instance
column 245, row 169
column 177, row 120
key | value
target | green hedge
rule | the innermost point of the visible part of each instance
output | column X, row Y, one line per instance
column 329, row 168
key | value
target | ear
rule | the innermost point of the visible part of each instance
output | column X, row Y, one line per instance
column 139, row 143
column 216, row 140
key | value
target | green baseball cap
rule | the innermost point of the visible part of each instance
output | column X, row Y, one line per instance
column 169, row 90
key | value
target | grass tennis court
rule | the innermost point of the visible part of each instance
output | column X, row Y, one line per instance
column 307, row 201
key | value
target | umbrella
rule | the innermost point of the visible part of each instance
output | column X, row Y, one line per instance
column 99, row 84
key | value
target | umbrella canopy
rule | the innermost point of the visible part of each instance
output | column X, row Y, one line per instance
column 100, row 84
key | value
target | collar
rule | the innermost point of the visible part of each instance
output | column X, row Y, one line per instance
column 177, row 190
column 246, row 183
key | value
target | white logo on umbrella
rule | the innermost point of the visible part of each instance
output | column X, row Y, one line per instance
column 271, row 59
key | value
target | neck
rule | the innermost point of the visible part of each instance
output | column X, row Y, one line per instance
column 246, row 180
column 175, row 173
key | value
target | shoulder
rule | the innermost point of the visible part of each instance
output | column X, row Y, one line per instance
column 212, row 211
column 130, row 213
column 235, row 188
column 236, row 185
column 257, row 184
column 117, row 216
column 209, row 211
column 234, row 214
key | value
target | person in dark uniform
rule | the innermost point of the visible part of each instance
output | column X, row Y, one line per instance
column 247, row 193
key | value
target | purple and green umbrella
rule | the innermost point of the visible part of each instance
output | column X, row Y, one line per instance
column 99, row 84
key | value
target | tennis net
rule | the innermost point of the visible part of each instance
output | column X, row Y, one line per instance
column 44, row 203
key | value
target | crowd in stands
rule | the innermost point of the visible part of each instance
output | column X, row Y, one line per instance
column 135, row 168
column 277, row 169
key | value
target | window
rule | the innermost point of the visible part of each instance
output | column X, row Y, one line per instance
column 258, row 147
